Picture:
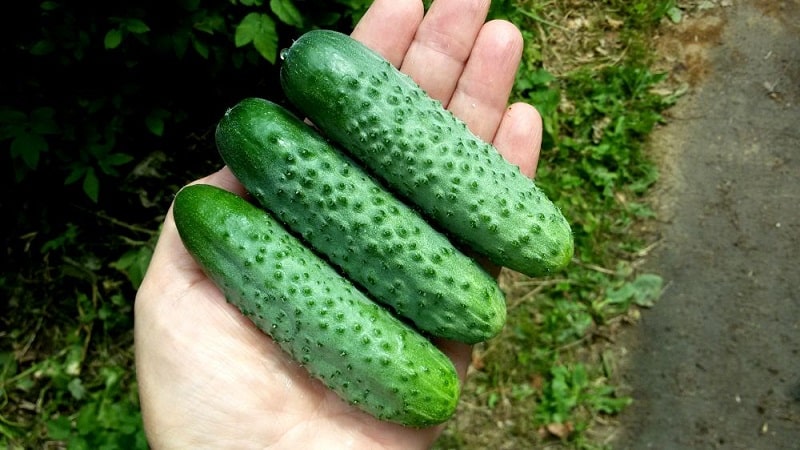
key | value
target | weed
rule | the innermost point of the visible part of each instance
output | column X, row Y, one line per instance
column 570, row 387
column 66, row 361
column 82, row 393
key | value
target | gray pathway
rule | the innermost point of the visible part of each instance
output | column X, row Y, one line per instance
column 716, row 363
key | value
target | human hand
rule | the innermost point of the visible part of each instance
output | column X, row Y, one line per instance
column 207, row 377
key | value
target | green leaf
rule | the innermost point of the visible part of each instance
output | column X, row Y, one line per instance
column 87, row 420
column 42, row 47
column 675, row 14
column 704, row 5
column 286, row 12
column 647, row 289
column 28, row 147
column 73, row 361
column 210, row 23
column 180, row 42
column 134, row 264
column 190, row 5
column 267, row 46
column 246, row 30
column 91, row 185
column 200, row 48
column 534, row 79
column 59, row 428
column 113, row 39
column 136, row 26
column 604, row 399
column 642, row 291
column 117, row 159
column 260, row 30
column 76, row 388
column 48, row 5
column 155, row 123
column 111, row 376
column 43, row 122
column 75, row 174
column 493, row 399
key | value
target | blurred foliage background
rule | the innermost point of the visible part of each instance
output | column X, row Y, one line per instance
column 107, row 109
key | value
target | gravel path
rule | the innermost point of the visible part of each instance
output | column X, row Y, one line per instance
column 716, row 363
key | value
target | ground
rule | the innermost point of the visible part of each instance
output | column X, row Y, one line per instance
column 716, row 363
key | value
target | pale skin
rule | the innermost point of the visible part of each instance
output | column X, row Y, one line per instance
column 207, row 377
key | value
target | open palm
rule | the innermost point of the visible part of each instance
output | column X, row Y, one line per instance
column 207, row 377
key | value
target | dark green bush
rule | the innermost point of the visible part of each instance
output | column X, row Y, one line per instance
column 106, row 109
column 93, row 88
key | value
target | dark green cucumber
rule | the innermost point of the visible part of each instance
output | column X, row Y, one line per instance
column 356, row 347
column 428, row 156
column 346, row 216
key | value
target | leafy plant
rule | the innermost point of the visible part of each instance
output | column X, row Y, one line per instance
column 84, row 129
column 28, row 135
column 571, row 387
column 109, row 417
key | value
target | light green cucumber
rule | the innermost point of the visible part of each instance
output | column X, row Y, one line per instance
column 346, row 216
column 424, row 153
column 356, row 347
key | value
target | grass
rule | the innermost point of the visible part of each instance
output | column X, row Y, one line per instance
column 548, row 380
column 66, row 347
column 66, row 366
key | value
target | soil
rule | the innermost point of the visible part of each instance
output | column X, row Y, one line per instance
column 716, row 362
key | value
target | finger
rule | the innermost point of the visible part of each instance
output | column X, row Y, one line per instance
column 224, row 179
column 170, row 257
column 481, row 95
column 443, row 44
column 459, row 353
column 388, row 27
column 519, row 137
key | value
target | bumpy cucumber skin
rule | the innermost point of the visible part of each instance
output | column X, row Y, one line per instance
column 345, row 215
column 388, row 123
column 357, row 348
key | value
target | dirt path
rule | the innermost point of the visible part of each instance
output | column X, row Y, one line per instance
column 716, row 363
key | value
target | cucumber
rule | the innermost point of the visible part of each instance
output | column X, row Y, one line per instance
column 424, row 153
column 356, row 347
column 345, row 215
